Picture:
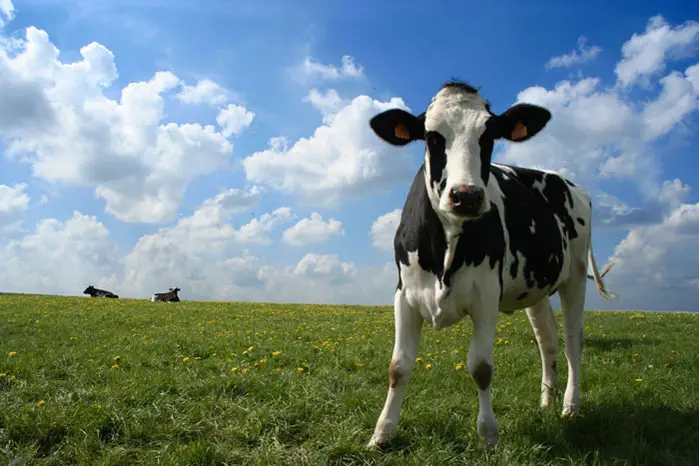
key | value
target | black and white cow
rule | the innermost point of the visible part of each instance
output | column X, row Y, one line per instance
column 170, row 296
column 476, row 238
column 97, row 293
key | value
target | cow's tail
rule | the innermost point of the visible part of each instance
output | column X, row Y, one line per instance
column 597, row 277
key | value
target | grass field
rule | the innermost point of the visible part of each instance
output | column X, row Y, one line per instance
column 95, row 381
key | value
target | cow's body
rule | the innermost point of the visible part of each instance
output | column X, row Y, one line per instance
column 476, row 238
column 168, row 297
column 97, row 293
column 524, row 243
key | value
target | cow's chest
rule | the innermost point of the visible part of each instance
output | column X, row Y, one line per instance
column 470, row 290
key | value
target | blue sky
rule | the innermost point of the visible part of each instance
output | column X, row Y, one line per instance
column 287, row 195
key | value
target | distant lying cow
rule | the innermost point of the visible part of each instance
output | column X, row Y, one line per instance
column 97, row 293
column 170, row 296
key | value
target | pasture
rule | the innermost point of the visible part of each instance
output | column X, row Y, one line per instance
column 99, row 381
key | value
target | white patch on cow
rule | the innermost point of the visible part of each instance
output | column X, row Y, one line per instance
column 532, row 227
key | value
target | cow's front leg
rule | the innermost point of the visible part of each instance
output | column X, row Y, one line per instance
column 408, row 322
column 480, row 366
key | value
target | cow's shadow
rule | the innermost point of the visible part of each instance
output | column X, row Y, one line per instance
column 630, row 432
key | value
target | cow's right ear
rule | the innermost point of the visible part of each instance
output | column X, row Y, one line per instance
column 398, row 127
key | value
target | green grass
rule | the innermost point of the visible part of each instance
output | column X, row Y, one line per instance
column 316, row 402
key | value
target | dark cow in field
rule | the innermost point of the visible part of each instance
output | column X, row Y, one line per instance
column 476, row 237
column 170, row 296
column 97, row 293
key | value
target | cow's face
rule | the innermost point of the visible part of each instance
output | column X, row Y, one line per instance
column 89, row 289
column 459, row 131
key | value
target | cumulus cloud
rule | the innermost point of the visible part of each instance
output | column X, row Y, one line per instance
column 137, row 164
column 60, row 257
column 14, row 202
column 312, row 70
column 383, row 230
column 657, row 265
column 577, row 57
column 312, row 230
column 234, row 119
column 7, row 12
column 645, row 54
column 328, row 104
column 205, row 91
column 343, row 160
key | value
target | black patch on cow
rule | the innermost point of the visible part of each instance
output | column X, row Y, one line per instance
column 482, row 375
column 523, row 295
column 420, row 230
column 581, row 221
column 436, row 147
column 486, row 143
column 480, row 239
column 542, row 250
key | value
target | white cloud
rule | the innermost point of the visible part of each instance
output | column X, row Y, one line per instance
column 644, row 55
column 234, row 119
column 657, row 265
column 204, row 92
column 383, row 230
column 678, row 98
column 60, row 257
column 255, row 231
column 582, row 55
column 137, row 164
column 341, row 161
column 14, row 203
column 328, row 104
column 7, row 12
column 312, row 70
column 312, row 230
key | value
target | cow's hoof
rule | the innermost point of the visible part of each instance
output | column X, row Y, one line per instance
column 379, row 440
column 489, row 433
column 571, row 412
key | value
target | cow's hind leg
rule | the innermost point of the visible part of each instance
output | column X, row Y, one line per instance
column 408, row 323
column 572, row 294
column 543, row 322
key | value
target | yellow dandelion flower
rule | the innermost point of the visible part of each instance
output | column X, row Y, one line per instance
column 299, row 369
column 117, row 358
column 428, row 366
column 639, row 380
column 418, row 360
column 532, row 341
column 316, row 349
column 234, row 369
column 245, row 370
column 41, row 403
column 250, row 348
column 276, row 353
column 358, row 364
column 115, row 366
column 12, row 353
column 197, row 358
column 263, row 361
column 2, row 374
column 98, row 406
column 185, row 359
column 460, row 366
column 636, row 355
column 278, row 369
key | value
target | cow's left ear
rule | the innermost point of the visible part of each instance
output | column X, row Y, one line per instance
column 522, row 121
column 398, row 127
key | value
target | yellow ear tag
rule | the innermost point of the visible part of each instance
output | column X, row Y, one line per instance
column 519, row 131
column 402, row 132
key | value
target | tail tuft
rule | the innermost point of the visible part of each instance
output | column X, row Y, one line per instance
column 597, row 277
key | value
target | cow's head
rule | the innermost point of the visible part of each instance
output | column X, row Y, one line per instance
column 174, row 290
column 89, row 289
column 460, row 131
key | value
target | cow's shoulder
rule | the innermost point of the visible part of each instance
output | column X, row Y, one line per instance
column 420, row 231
